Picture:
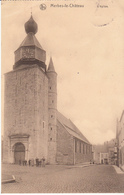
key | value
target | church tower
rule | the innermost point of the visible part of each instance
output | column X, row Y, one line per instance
column 28, row 108
column 52, row 106
column 33, row 128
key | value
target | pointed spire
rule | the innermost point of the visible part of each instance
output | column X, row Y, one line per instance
column 31, row 11
column 51, row 66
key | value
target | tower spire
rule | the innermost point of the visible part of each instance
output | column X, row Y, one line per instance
column 30, row 51
column 31, row 26
column 52, row 111
column 31, row 11
column 51, row 66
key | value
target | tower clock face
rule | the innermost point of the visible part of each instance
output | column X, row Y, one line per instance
column 28, row 53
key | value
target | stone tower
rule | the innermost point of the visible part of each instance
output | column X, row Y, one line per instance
column 52, row 106
column 30, row 103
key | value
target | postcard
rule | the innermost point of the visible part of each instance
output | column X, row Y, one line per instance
column 62, row 81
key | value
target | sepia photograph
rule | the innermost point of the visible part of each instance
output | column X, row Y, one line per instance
column 62, row 96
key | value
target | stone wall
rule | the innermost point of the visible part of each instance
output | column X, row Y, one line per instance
column 65, row 146
column 83, row 152
column 26, row 110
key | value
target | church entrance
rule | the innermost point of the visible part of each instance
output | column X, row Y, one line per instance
column 19, row 152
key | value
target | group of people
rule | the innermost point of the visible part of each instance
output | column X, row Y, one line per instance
column 31, row 162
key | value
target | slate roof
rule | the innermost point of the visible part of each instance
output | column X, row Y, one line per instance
column 71, row 128
column 31, row 40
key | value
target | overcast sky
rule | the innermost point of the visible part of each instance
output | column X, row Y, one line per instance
column 87, row 46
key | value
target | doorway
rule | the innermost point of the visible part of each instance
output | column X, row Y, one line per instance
column 19, row 152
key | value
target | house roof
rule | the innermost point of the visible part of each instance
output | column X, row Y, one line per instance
column 71, row 128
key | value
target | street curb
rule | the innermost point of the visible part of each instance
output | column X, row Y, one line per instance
column 80, row 166
column 118, row 170
column 9, row 180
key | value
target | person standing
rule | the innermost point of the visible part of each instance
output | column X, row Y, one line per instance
column 43, row 160
column 29, row 162
column 19, row 162
column 37, row 162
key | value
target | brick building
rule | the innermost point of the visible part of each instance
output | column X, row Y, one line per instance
column 33, row 127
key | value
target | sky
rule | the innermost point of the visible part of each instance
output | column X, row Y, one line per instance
column 87, row 47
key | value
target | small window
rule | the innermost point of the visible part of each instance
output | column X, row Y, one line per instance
column 51, row 116
column 50, row 139
column 83, row 148
column 50, row 87
column 52, row 101
column 75, row 145
column 51, row 128
column 80, row 148
column 43, row 124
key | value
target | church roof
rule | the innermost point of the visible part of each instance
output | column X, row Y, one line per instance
column 31, row 40
column 70, row 127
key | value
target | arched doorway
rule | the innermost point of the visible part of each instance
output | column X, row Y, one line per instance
column 19, row 152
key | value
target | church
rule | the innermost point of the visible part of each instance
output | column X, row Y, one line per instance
column 33, row 127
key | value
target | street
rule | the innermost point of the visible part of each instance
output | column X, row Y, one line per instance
column 63, row 179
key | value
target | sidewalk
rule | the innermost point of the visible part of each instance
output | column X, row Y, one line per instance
column 118, row 170
column 7, row 178
column 122, row 167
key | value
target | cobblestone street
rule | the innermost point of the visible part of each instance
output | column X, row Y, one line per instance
column 63, row 179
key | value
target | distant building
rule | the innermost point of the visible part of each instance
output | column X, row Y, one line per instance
column 106, row 153
column 112, row 151
column 112, row 156
column 120, row 141
column 100, row 154
column 33, row 126
column 104, row 158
